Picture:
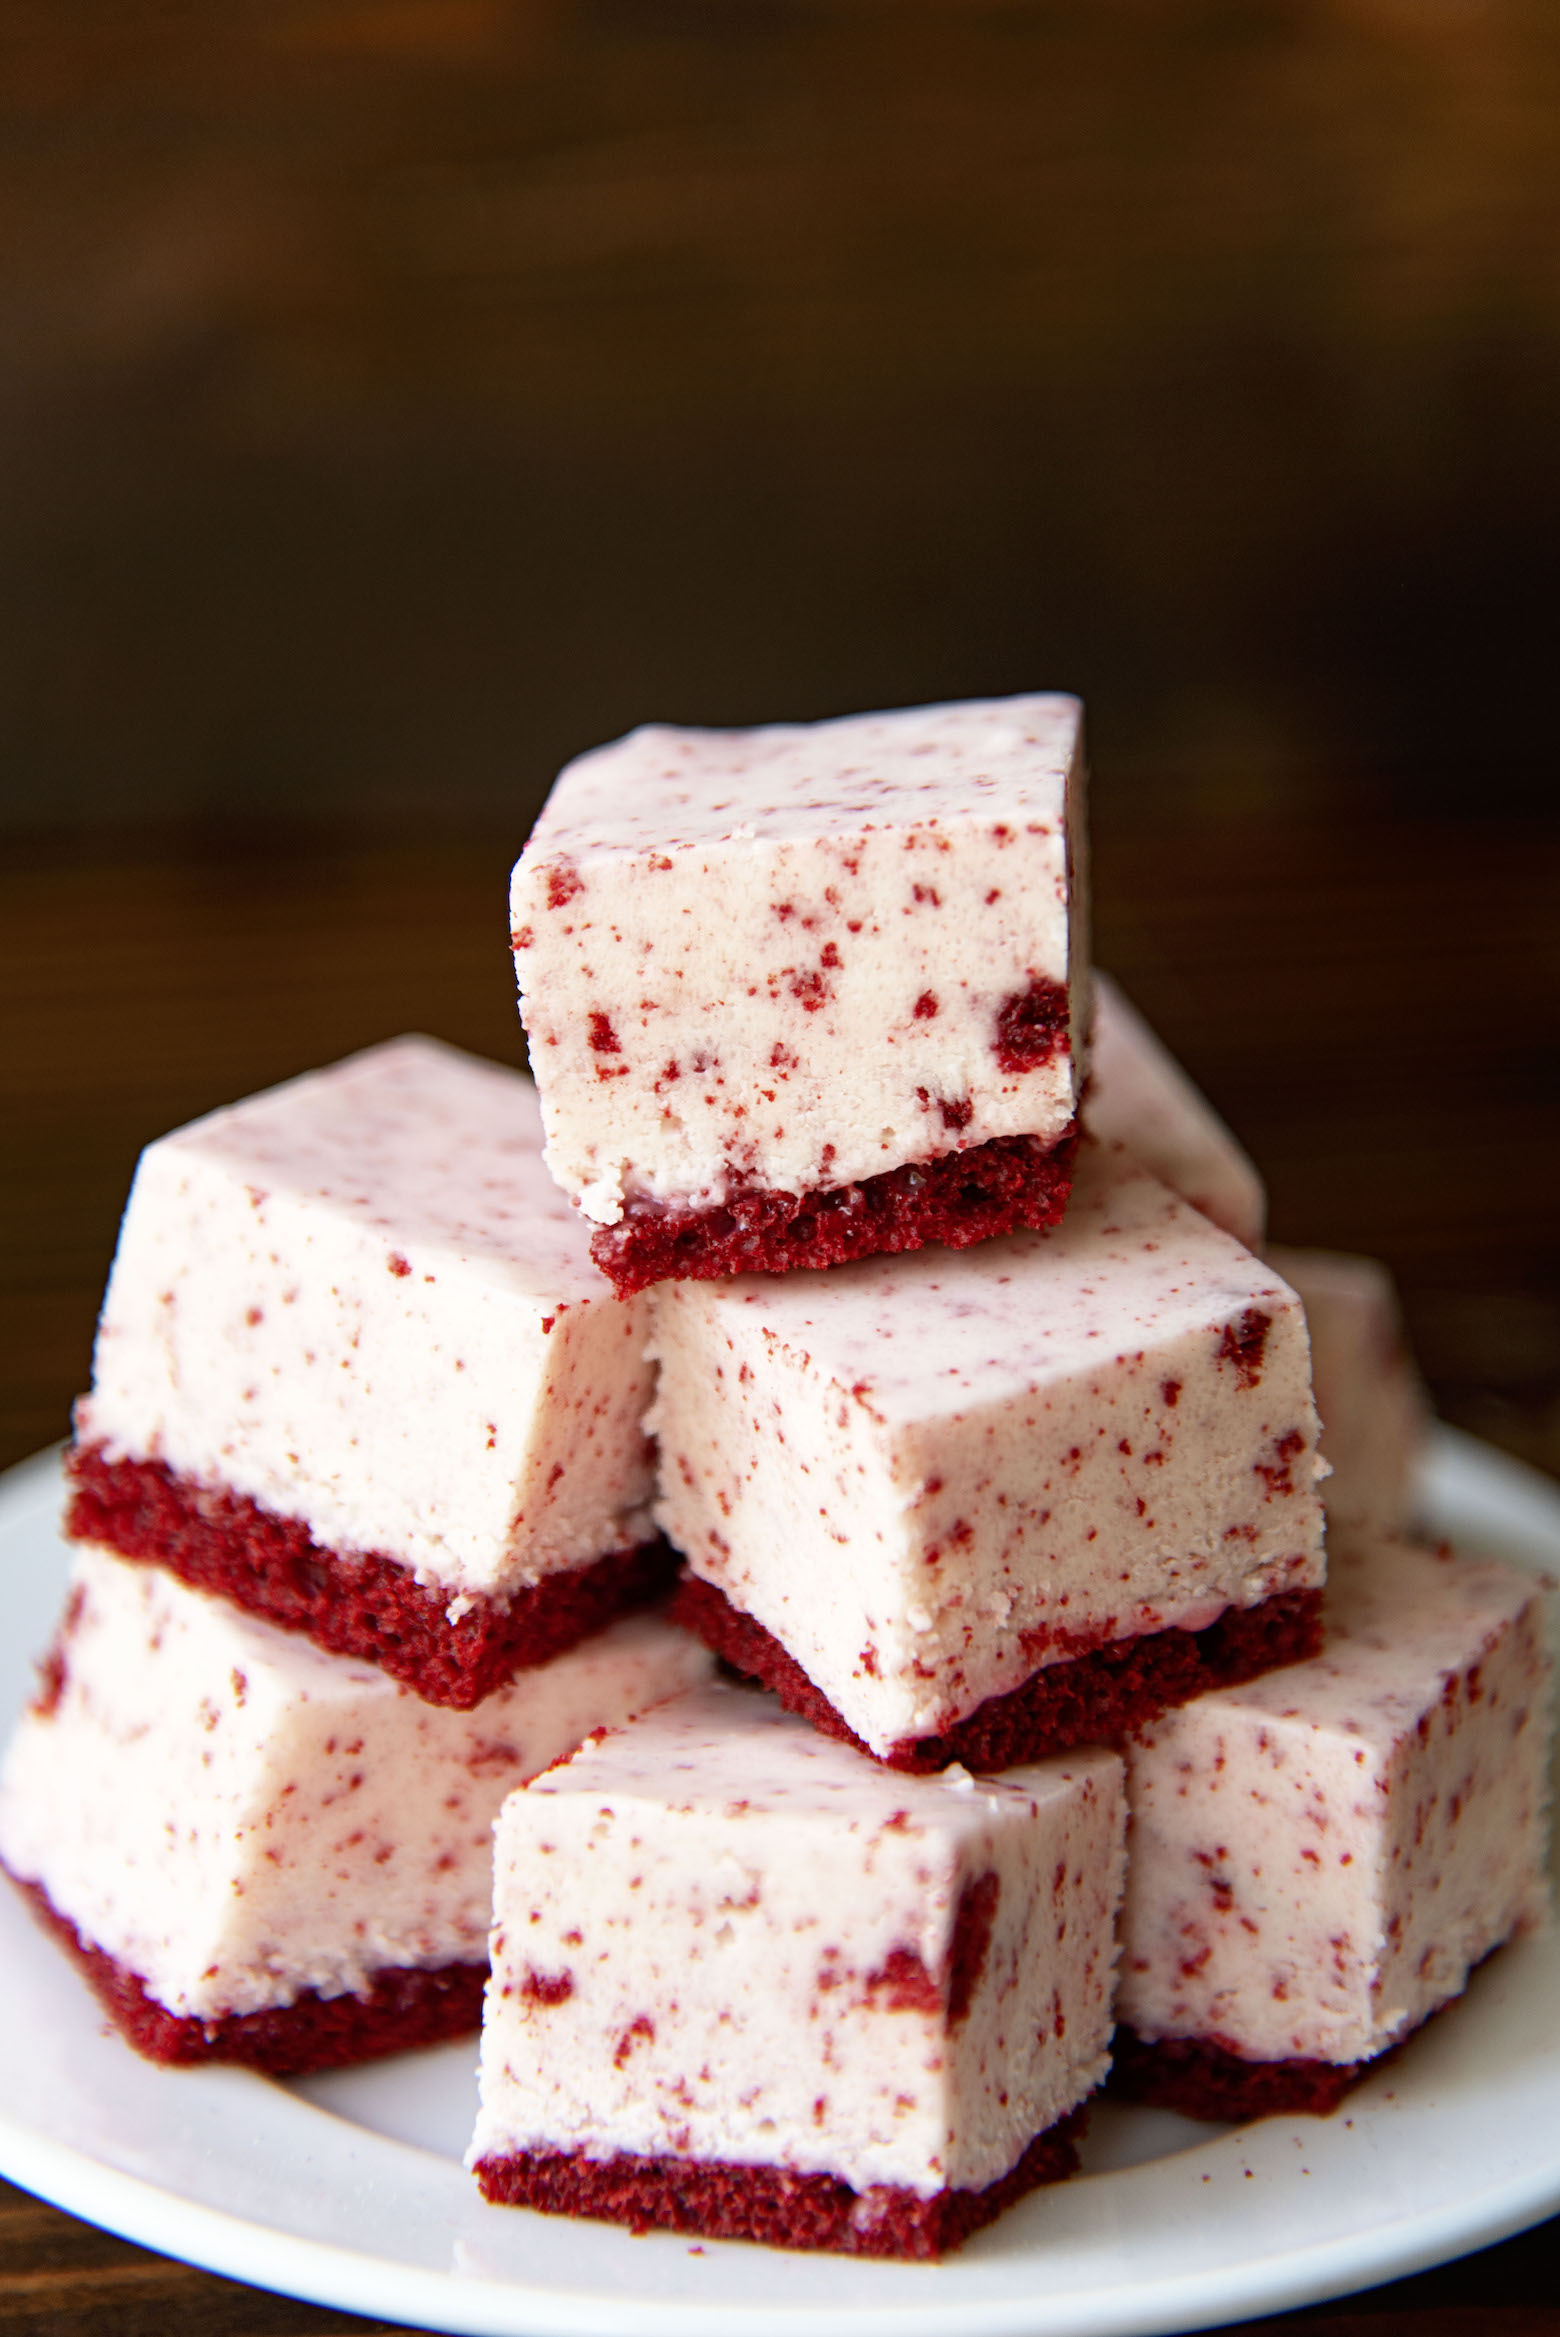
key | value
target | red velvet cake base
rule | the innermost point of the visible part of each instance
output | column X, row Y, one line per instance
column 404, row 2008
column 772, row 2205
column 1089, row 1699
column 961, row 1198
column 1204, row 2079
column 352, row 1603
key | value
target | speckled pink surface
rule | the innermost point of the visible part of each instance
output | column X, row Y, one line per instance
column 360, row 1301
column 1319, row 1858
column 237, row 1819
column 798, row 957
column 722, row 1938
column 1140, row 1097
column 1374, row 1410
column 929, row 1476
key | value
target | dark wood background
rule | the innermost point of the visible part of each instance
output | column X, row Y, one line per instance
column 398, row 395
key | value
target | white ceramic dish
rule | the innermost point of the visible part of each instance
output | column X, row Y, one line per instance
column 348, row 2189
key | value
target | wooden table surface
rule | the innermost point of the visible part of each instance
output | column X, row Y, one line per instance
column 1376, row 1009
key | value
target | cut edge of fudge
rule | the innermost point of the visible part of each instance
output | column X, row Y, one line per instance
column 956, row 1198
column 903, row 1930
column 774, row 2206
column 358, row 1302
column 897, row 974
column 1139, row 1096
column 450, row 1651
column 1092, row 1698
column 1230, row 1911
column 1374, row 1408
column 405, row 2006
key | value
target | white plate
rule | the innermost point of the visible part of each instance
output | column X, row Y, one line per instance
column 348, row 2189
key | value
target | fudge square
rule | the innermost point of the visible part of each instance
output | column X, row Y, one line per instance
column 986, row 1504
column 1373, row 1406
column 801, row 994
column 356, row 1371
column 263, row 1853
column 1319, row 1858
column 747, row 1984
column 1139, row 1096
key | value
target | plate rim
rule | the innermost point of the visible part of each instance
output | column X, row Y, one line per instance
column 1525, row 1509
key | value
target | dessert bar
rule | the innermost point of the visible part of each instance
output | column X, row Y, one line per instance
column 1319, row 1859
column 1372, row 1403
column 983, row 1505
column 747, row 1984
column 802, row 994
column 356, row 1371
column 1139, row 1096
column 266, row 1854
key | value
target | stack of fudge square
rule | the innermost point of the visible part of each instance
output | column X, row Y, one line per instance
column 794, row 1568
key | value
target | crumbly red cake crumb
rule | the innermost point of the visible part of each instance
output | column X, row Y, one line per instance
column 1086, row 1699
column 404, row 2007
column 772, row 2205
column 1203, row 2079
column 959, row 1198
column 353, row 1603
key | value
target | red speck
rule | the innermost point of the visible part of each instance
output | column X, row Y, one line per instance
column 956, row 1114
column 926, row 892
column 831, row 956
column 925, row 1006
column 521, row 938
column 1244, row 1343
column 52, row 1674
column 1278, row 1474
column 252, row 1316
column 563, row 882
column 1170, row 1391
column 971, row 1938
column 1032, row 1025
column 603, row 1037
column 906, row 1983
column 641, row 2026
column 546, row 1987
column 811, row 990
column 398, row 1265
column 869, row 1661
